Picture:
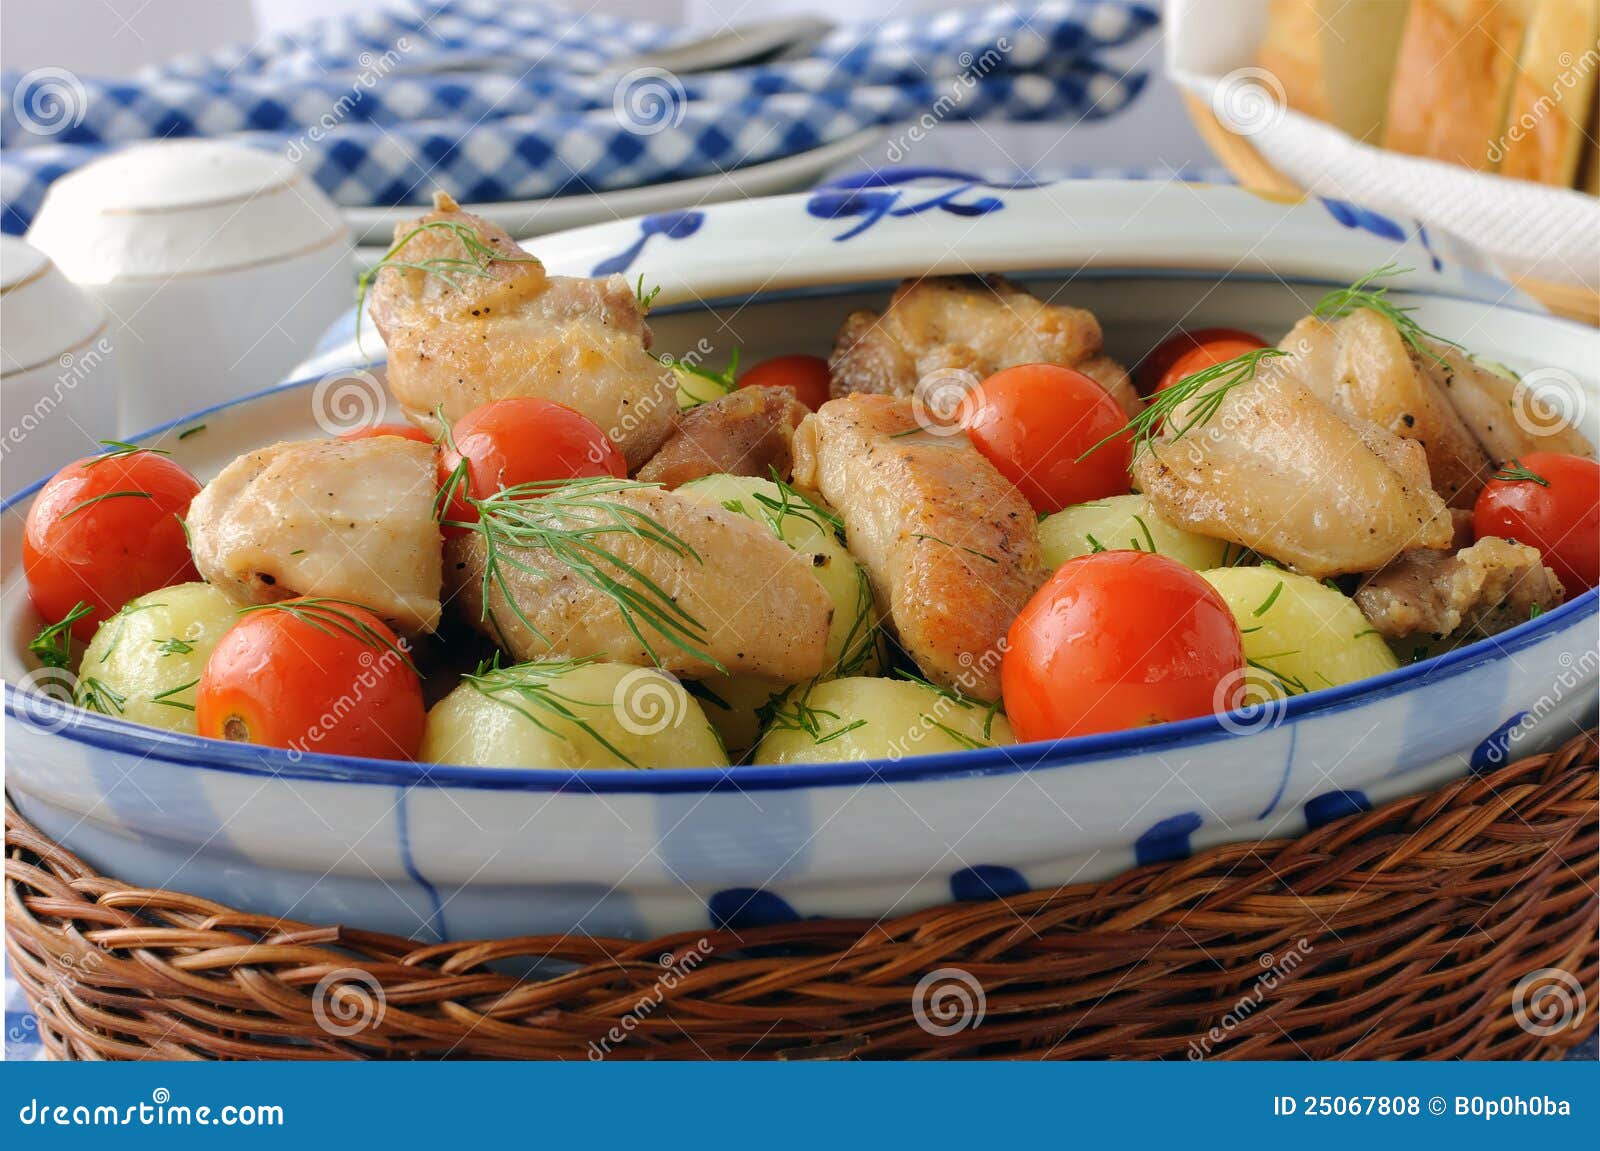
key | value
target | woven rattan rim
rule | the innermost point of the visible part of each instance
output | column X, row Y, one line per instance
column 1447, row 925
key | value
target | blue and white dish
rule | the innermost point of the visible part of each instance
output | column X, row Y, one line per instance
column 451, row 852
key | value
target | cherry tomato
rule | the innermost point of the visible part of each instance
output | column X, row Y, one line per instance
column 520, row 441
column 312, row 675
column 404, row 431
column 806, row 376
column 1560, row 517
column 104, row 530
column 1208, row 355
column 1153, row 368
column 1115, row 640
column 1036, row 422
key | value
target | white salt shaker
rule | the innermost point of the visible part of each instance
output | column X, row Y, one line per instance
column 220, row 266
column 59, row 369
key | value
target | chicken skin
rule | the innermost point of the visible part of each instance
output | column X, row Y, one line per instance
column 351, row 520
column 729, row 589
column 1277, row 470
column 460, row 341
column 1479, row 590
column 951, row 547
column 971, row 324
column 748, row 432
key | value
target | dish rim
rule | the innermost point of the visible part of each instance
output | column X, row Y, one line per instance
column 125, row 736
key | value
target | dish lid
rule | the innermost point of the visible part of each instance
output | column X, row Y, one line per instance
column 181, row 208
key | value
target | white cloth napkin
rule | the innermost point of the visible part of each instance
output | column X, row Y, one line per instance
column 1523, row 229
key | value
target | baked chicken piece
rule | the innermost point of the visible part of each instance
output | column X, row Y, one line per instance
column 1477, row 591
column 748, row 432
column 1277, row 470
column 1490, row 403
column 1362, row 367
column 727, row 586
column 456, row 343
column 348, row 519
column 976, row 324
column 951, row 547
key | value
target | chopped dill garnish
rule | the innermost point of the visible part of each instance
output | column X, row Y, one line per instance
column 861, row 641
column 780, row 713
column 476, row 261
column 703, row 693
column 332, row 616
column 121, row 620
column 644, row 298
column 172, row 645
column 298, row 552
column 96, row 696
column 1095, row 546
column 530, row 690
column 568, row 523
column 165, row 698
column 957, row 547
column 52, row 647
column 1291, row 684
column 966, row 741
column 1150, row 540
column 845, row 730
column 1365, row 632
column 78, row 507
column 724, row 381
column 1266, row 604
column 194, row 431
column 1361, row 294
column 1516, row 470
column 121, row 449
column 1535, row 612
column 1207, row 389
column 792, row 502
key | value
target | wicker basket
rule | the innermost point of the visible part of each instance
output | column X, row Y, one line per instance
column 1461, row 923
column 1252, row 170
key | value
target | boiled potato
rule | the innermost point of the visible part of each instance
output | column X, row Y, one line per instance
column 866, row 718
column 568, row 714
column 696, row 388
column 145, row 662
column 855, row 646
column 1300, row 634
column 1127, row 522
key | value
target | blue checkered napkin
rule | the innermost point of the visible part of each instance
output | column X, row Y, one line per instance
column 520, row 127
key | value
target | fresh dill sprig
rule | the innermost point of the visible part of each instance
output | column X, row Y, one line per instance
column 644, row 298
column 1266, row 604
column 1362, row 294
column 332, row 617
column 793, row 502
column 1150, row 540
column 52, row 647
column 92, row 500
column 1207, row 389
column 165, row 698
column 958, row 547
column 94, row 695
column 861, row 641
column 172, row 645
column 724, row 381
column 121, row 620
column 121, row 449
column 780, row 713
column 570, row 524
column 194, row 431
column 1516, row 470
column 530, row 689
column 476, row 261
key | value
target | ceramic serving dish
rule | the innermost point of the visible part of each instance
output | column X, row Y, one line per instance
column 219, row 264
column 451, row 852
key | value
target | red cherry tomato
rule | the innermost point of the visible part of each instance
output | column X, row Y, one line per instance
column 520, row 441
column 312, row 675
column 1036, row 422
column 806, row 376
column 1116, row 640
column 1151, row 370
column 404, row 431
column 1560, row 517
column 1208, row 355
column 104, row 530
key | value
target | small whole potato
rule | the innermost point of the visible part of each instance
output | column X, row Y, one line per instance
column 869, row 718
column 1299, row 634
column 1127, row 522
column 144, row 663
column 571, row 714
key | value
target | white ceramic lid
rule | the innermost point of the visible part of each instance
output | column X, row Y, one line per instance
column 43, row 315
column 181, row 208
